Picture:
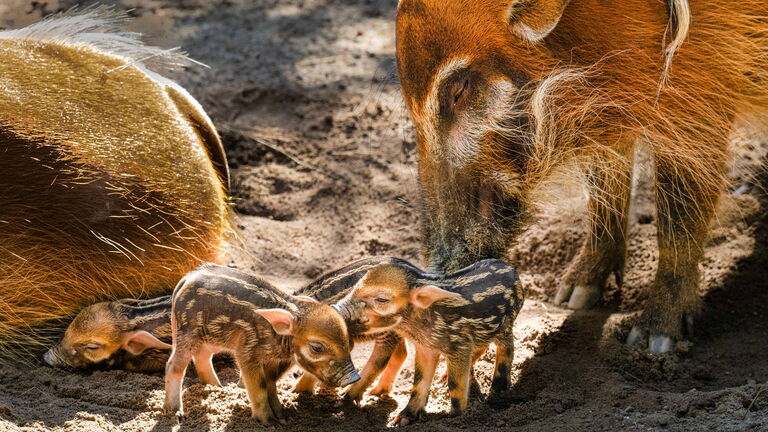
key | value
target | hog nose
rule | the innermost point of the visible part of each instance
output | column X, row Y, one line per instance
column 350, row 378
column 48, row 357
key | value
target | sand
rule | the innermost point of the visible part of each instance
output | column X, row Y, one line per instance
column 324, row 172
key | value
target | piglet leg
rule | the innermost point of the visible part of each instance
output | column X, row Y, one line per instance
column 175, row 370
column 204, row 367
column 424, row 373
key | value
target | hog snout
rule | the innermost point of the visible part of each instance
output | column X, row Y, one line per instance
column 51, row 358
column 348, row 375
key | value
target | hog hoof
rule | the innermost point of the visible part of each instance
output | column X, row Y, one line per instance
column 584, row 297
column 380, row 392
column 660, row 344
column 174, row 412
column 407, row 417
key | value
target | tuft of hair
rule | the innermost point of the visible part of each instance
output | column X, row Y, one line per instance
column 99, row 27
column 680, row 23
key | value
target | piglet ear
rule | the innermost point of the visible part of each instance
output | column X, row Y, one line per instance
column 138, row 341
column 281, row 320
column 422, row 297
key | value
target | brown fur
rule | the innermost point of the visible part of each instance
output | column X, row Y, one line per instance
column 578, row 101
column 108, row 185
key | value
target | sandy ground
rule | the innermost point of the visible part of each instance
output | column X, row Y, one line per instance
column 324, row 172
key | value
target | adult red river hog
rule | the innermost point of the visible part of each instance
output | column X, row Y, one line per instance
column 113, row 180
column 504, row 93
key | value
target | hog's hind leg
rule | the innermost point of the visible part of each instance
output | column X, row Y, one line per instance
column 459, row 371
column 175, row 369
column 204, row 366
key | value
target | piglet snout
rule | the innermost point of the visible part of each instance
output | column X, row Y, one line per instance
column 48, row 357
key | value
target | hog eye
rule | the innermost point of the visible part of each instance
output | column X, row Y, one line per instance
column 317, row 348
column 458, row 90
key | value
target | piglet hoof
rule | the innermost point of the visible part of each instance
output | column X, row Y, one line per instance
column 660, row 344
column 176, row 413
column 407, row 417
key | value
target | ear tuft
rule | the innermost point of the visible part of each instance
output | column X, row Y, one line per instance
column 138, row 341
column 281, row 320
column 422, row 297
column 533, row 20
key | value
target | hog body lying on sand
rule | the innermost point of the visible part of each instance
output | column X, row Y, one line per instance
column 113, row 180
column 507, row 94
column 455, row 315
column 264, row 328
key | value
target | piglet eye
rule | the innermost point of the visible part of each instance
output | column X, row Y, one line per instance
column 92, row 347
column 382, row 300
column 317, row 348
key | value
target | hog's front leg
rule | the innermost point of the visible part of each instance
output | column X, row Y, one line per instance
column 604, row 252
column 386, row 344
column 306, row 384
column 256, row 386
column 424, row 372
column 387, row 380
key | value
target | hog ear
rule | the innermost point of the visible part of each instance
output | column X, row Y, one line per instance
column 422, row 297
column 533, row 20
column 281, row 320
column 138, row 341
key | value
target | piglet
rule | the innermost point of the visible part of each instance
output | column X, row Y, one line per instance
column 124, row 334
column 265, row 329
column 456, row 315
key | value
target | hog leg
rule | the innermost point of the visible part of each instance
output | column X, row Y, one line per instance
column 306, row 383
column 256, row 385
column 386, row 345
column 459, row 371
column 424, row 372
column 273, row 371
column 204, row 366
column 387, row 380
column 505, row 355
column 685, row 201
column 175, row 370
column 604, row 252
